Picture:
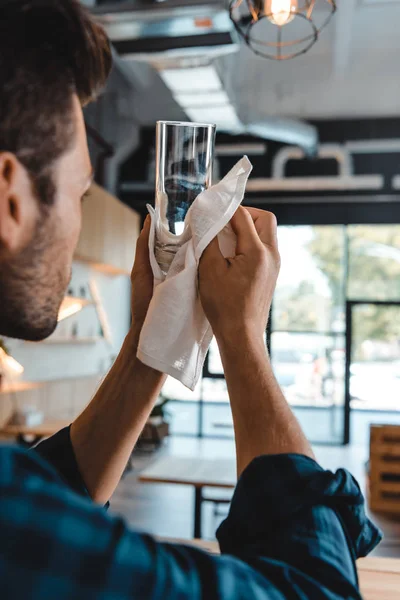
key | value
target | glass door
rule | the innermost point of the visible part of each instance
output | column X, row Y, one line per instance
column 333, row 336
column 372, row 367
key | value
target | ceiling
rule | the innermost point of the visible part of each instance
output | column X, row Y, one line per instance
column 352, row 71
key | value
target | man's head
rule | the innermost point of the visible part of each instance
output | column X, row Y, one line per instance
column 53, row 60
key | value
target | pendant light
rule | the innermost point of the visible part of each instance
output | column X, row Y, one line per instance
column 281, row 29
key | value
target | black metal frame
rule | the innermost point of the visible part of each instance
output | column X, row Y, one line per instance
column 350, row 304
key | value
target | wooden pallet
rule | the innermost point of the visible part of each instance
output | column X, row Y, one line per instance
column 384, row 481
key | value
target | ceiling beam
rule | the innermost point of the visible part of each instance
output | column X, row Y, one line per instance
column 345, row 23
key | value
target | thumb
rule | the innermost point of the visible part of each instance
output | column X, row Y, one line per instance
column 212, row 255
column 247, row 236
column 143, row 239
column 142, row 245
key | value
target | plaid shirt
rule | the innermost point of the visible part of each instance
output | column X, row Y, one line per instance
column 294, row 531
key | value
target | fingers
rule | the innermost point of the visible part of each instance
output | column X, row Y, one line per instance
column 142, row 246
column 146, row 224
column 143, row 240
column 212, row 255
column 247, row 236
column 266, row 226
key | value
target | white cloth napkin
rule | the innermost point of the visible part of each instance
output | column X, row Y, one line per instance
column 176, row 334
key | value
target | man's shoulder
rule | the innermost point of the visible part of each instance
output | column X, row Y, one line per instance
column 25, row 474
column 26, row 480
column 51, row 538
column 16, row 464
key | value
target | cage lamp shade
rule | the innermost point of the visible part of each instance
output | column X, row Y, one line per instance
column 281, row 29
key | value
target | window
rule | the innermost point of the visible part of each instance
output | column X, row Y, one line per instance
column 374, row 262
column 310, row 290
column 309, row 367
column 375, row 367
column 323, row 269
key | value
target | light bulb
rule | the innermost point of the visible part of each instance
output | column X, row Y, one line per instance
column 280, row 12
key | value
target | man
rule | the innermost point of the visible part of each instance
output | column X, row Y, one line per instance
column 294, row 530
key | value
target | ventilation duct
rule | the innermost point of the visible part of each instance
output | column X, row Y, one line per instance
column 186, row 27
column 182, row 39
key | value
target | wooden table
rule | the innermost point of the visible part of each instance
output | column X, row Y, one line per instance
column 198, row 473
column 379, row 577
column 44, row 430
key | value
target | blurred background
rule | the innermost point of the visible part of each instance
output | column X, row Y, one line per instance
column 322, row 130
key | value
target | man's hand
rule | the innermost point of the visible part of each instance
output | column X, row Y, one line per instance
column 236, row 293
column 104, row 435
column 142, row 281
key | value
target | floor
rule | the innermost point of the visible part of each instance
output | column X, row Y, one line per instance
column 167, row 510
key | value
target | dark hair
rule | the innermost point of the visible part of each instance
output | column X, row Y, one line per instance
column 49, row 50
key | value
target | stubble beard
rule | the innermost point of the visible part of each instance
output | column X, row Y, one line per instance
column 32, row 287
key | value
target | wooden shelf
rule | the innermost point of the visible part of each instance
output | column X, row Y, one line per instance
column 101, row 267
column 109, row 233
column 19, row 386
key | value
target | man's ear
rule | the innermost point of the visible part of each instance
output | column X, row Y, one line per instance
column 18, row 206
